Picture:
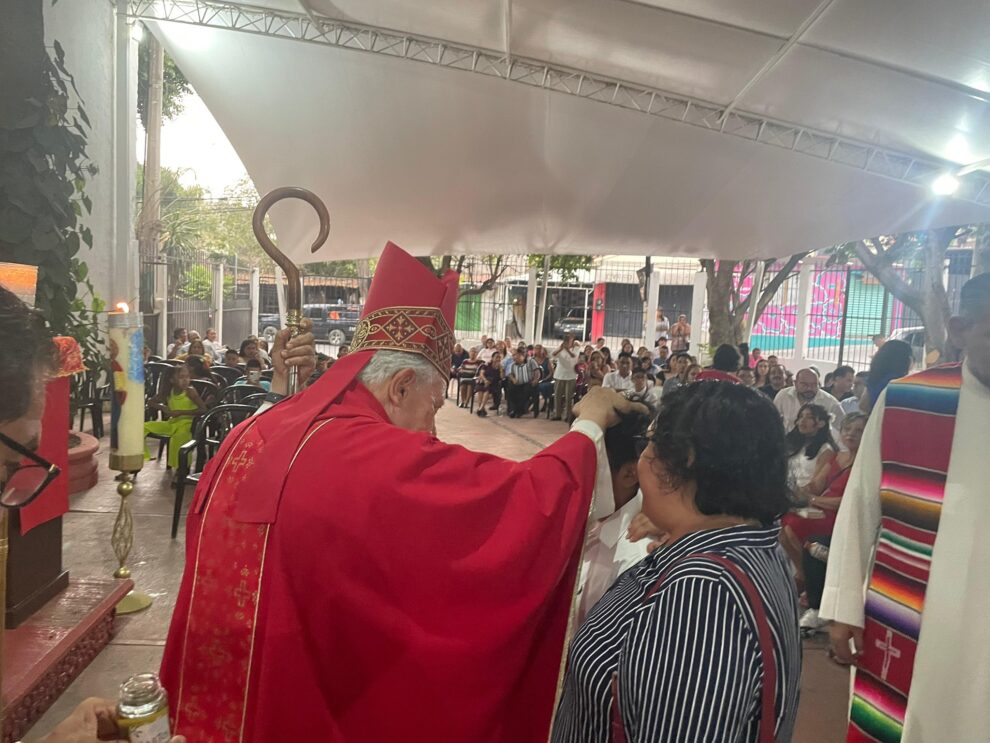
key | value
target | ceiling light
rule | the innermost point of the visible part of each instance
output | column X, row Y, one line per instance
column 945, row 185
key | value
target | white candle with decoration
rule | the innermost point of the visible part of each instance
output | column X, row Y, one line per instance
column 126, row 341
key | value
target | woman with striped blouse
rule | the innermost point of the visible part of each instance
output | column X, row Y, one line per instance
column 699, row 641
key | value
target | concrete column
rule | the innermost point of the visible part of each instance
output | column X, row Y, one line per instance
column 652, row 302
column 125, row 264
column 280, row 295
column 699, row 298
column 255, row 300
column 803, row 309
column 218, row 299
column 161, row 304
column 530, row 331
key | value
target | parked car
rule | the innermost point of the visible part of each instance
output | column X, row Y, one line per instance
column 914, row 337
column 334, row 323
column 576, row 320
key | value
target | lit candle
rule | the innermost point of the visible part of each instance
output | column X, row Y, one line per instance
column 126, row 331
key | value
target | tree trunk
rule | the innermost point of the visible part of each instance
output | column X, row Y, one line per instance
column 981, row 251
column 722, row 326
column 926, row 295
column 542, row 309
column 934, row 310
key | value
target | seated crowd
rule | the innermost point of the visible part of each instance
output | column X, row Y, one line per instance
column 200, row 371
column 823, row 417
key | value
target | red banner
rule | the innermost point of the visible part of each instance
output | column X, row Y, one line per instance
column 54, row 447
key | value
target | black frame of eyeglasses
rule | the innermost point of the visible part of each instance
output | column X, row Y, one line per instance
column 53, row 470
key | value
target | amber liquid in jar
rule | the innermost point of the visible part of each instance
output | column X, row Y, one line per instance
column 142, row 710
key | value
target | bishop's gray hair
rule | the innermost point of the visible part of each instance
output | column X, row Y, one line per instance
column 386, row 364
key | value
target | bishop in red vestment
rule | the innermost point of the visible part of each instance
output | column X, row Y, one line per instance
column 349, row 577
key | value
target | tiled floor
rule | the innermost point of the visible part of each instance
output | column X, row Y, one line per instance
column 156, row 562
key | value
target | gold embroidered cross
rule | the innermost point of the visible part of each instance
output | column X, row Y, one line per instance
column 242, row 594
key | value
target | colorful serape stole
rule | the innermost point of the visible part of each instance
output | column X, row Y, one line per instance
column 918, row 424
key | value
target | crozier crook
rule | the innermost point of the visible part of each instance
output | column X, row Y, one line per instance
column 293, row 294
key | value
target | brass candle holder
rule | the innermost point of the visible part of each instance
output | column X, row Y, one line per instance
column 122, row 540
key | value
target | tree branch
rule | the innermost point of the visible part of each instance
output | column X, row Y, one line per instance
column 879, row 265
column 428, row 262
column 767, row 295
column 497, row 267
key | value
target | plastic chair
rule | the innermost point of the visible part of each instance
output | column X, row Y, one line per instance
column 209, row 391
column 90, row 397
column 229, row 374
column 209, row 432
column 237, row 393
column 254, row 400
column 154, row 372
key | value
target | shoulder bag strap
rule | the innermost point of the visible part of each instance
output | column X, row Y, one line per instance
column 768, row 711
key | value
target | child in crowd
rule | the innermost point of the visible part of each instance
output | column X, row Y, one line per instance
column 252, row 376
column 179, row 403
column 643, row 392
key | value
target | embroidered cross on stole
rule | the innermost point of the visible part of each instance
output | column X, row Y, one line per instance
column 918, row 425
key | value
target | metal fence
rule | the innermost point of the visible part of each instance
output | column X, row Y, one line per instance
column 502, row 297
column 821, row 314
column 195, row 292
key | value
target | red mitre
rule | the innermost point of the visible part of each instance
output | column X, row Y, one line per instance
column 409, row 309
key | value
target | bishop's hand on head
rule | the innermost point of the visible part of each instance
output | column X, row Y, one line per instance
column 604, row 406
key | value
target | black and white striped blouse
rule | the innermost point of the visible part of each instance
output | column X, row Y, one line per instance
column 688, row 659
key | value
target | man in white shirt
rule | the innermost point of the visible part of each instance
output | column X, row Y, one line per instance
column 662, row 329
column 642, row 391
column 607, row 550
column 851, row 404
column 621, row 378
column 565, row 377
column 806, row 390
column 179, row 339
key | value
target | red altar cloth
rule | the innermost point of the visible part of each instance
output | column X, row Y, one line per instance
column 54, row 444
column 393, row 588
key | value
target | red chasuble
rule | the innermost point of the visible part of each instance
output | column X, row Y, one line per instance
column 389, row 587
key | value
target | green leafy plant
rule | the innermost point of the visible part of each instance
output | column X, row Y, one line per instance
column 43, row 173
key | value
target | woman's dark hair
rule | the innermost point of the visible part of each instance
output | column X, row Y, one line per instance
column 197, row 367
column 892, row 361
column 728, row 440
column 796, row 440
column 606, row 353
column 726, row 359
column 244, row 345
column 744, row 353
column 28, row 354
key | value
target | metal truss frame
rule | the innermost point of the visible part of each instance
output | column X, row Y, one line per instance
column 307, row 27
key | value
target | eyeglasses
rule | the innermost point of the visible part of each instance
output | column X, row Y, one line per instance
column 28, row 481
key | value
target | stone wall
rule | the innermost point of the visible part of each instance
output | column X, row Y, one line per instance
column 85, row 29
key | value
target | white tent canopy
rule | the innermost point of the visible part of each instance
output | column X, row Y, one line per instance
column 727, row 128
